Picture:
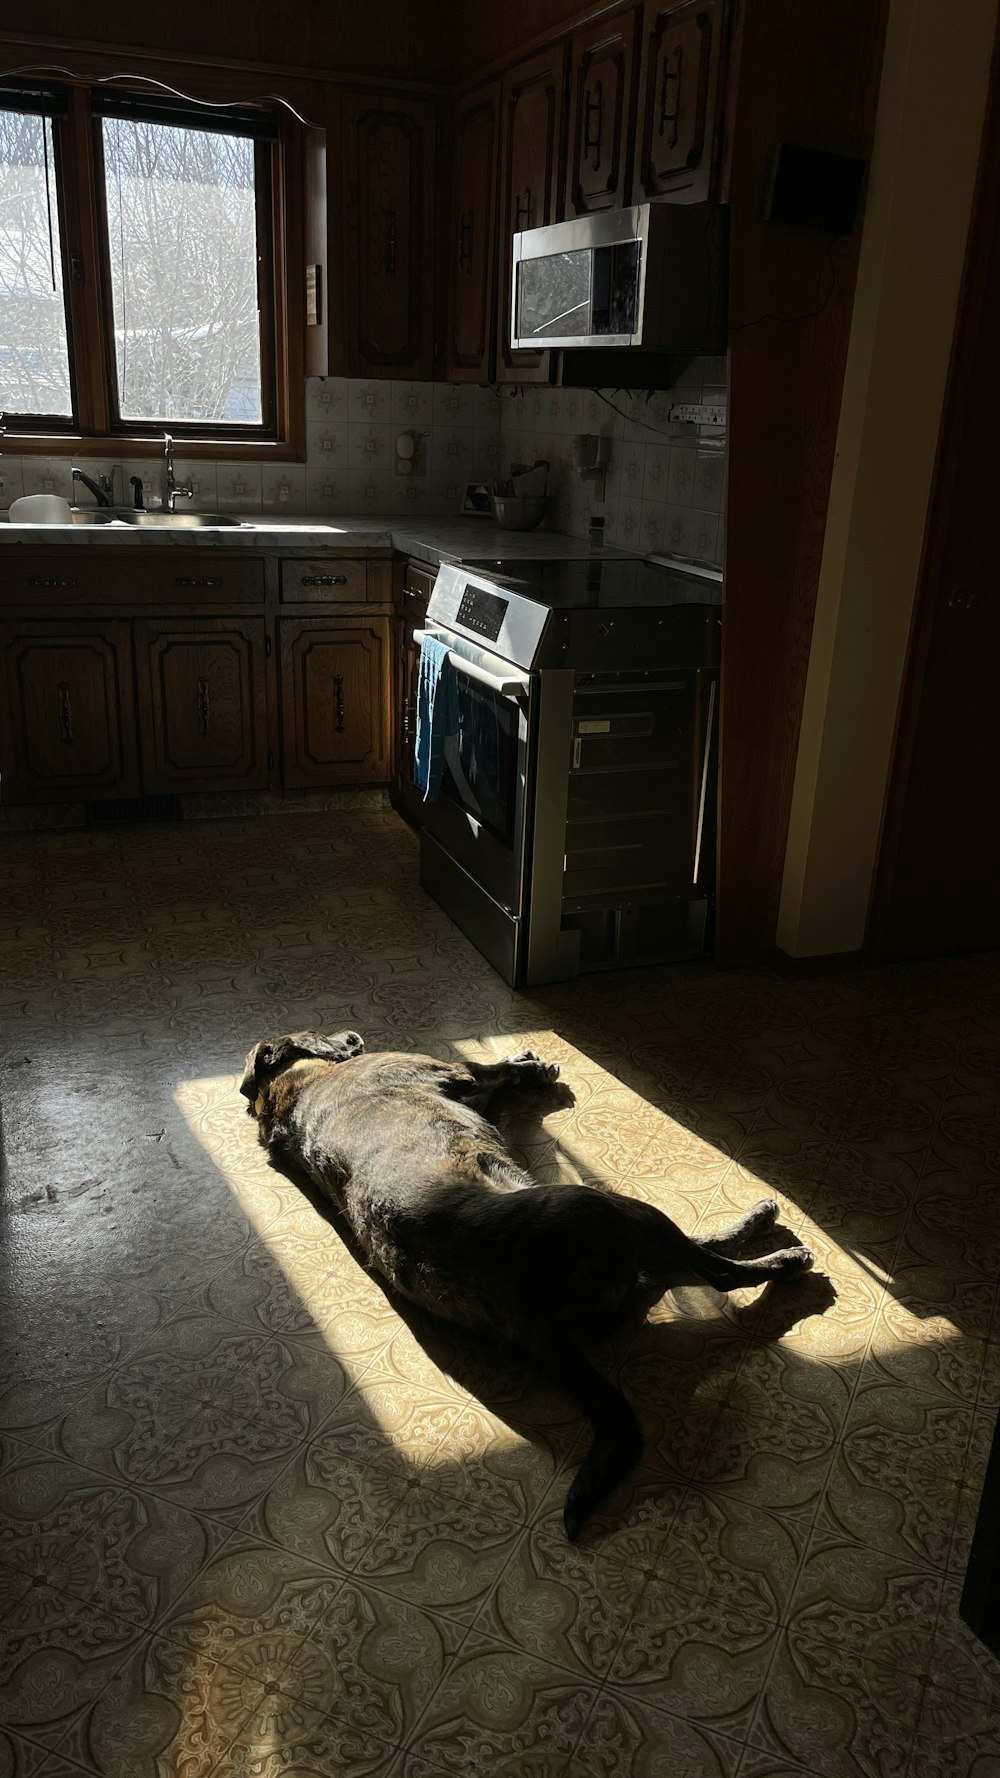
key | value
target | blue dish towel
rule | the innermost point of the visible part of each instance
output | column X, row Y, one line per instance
column 437, row 715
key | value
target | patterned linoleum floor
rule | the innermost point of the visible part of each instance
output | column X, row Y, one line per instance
column 253, row 1522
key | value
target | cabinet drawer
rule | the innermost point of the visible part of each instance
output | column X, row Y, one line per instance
column 329, row 582
column 130, row 578
column 418, row 585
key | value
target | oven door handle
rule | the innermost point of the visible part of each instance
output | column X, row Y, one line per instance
column 504, row 688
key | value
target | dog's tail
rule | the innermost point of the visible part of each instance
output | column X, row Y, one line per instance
column 617, row 1443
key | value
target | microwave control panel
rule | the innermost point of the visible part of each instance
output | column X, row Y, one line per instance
column 482, row 612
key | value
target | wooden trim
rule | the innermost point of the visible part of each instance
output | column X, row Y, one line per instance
column 87, row 287
column 287, row 83
column 984, row 220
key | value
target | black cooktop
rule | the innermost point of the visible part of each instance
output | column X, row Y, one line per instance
column 602, row 581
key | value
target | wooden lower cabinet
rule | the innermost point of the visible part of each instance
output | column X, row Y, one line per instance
column 69, row 718
column 334, row 700
column 202, row 704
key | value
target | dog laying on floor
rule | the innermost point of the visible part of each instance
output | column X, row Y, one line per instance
column 400, row 1145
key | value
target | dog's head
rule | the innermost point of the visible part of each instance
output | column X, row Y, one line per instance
column 268, row 1059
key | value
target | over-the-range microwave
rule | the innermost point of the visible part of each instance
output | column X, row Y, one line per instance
column 649, row 278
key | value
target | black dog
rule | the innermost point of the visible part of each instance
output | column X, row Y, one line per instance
column 442, row 1211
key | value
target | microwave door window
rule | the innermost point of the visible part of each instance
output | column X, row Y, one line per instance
column 616, row 288
column 554, row 296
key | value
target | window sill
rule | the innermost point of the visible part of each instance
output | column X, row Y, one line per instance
column 122, row 444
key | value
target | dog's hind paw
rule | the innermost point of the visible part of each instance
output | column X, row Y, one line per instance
column 797, row 1259
column 534, row 1069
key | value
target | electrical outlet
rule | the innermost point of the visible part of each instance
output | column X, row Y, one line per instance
column 700, row 413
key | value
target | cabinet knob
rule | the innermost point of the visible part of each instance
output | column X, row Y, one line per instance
column 324, row 580
column 465, row 229
column 964, row 599
column 522, row 210
column 390, row 243
column 338, row 698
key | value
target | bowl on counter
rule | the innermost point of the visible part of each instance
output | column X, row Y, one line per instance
column 519, row 512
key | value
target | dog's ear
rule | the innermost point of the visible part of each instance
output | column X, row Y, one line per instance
column 257, row 1062
column 341, row 1047
column 266, row 1058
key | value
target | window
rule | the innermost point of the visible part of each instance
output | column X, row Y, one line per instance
column 34, row 337
column 169, row 319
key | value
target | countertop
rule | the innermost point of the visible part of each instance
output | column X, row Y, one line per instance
column 432, row 540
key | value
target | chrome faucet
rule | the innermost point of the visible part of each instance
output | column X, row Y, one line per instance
column 173, row 490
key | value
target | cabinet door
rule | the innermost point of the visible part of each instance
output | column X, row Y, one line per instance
column 334, row 701
column 530, row 184
column 473, row 243
column 386, row 251
column 602, row 72
column 679, row 100
column 203, row 718
column 69, row 718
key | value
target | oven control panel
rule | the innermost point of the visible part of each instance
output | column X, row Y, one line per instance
column 482, row 612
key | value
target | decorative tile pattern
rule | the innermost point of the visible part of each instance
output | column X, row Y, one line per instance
column 256, row 1520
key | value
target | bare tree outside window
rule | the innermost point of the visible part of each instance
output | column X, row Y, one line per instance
column 182, row 231
column 34, row 354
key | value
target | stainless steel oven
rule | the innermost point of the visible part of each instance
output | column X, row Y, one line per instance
column 574, row 821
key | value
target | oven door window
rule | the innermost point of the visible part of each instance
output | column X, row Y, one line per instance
column 480, row 762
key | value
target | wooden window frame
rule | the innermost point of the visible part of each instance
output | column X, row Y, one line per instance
column 95, row 429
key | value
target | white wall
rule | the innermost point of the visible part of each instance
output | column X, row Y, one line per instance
column 925, row 157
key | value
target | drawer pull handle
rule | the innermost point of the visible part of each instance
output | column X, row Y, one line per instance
column 204, row 707
column 324, row 580
column 390, row 243
column 466, row 226
column 65, row 712
column 198, row 580
column 670, row 96
column 522, row 210
column 338, row 694
column 67, row 580
column 592, row 108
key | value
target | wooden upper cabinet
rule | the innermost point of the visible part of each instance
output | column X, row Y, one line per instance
column 335, row 687
column 69, row 712
column 601, row 109
column 680, row 101
column 203, row 704
column 531, row 141
column 473, row 238
column 387, row 226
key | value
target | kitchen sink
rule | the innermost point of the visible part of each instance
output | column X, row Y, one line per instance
column 185, row 521
column 181, row 521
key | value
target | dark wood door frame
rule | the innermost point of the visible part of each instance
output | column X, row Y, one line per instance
column 961, row 388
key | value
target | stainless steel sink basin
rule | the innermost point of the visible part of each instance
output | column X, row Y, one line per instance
column 126, row 515
column 182, row 521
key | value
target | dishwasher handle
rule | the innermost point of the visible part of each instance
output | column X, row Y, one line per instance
column 505, row 687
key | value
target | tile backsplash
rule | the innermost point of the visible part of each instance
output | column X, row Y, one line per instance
column 661, row 491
